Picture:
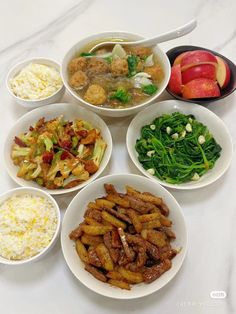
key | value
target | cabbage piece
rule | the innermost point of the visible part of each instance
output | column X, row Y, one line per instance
column 149, row 61
column 118, row 51
column 141, row 79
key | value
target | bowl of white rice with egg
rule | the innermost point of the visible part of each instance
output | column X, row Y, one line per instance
column 35, row 82
column 29, row 225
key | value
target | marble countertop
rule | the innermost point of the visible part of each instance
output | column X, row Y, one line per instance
column 49, row 28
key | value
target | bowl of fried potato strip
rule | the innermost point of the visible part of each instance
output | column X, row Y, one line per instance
column 124, row 236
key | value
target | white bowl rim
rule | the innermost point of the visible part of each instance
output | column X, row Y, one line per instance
column 83, row 183
column 190, row 106
column 46, row 195
column 180, row 213
column 25, row 61
column 104, row 109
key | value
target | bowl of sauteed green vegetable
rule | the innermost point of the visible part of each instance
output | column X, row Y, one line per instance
column 59, row 148
column 115, row 80
column 180, row 145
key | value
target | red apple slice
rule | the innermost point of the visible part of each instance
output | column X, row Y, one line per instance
column 175, row 80
column 201, row 88
column 197, row 57
column 199, row 71
column 222, row 73
column 179, row 58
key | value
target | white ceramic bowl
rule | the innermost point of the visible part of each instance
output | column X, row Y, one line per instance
column 36, row 192
column 108, row 111
column 73, row 217
column 31, row 104
column 70, row 112
column 207, row 117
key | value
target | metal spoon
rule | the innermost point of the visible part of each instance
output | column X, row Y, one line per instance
column 178, row 32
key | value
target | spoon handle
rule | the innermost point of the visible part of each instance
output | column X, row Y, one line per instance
column 178, row 32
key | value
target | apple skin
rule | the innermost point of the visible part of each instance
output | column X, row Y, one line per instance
column 199, row 71
column 222, row 73
column 201, row 88
column 179, row 58
column 197, row 57
column 175, row 83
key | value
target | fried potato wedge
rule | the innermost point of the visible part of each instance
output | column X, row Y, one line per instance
column 165, row 221
column 149, row 217
column 96, row 230
column 103, row 203
column 151, row 224
column 143, row 196
column 135, row 220
column 93, row 205
column 113, row 220
column 91, row 240
column 114, row 274
column 119, row 284
column 156, row 237
column 91, row 221
column 104, row 256
column 118, row 200
column 81, row 251
column 130, row 276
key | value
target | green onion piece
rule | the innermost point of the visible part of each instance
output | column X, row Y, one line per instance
column 108, row 59
column 149, row 89
column 87, row 54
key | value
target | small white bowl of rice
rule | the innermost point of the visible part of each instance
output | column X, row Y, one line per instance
column 35, row 82
column 29, row 225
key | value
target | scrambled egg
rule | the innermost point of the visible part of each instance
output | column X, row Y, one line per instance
column 36, row 81
column 27, row 225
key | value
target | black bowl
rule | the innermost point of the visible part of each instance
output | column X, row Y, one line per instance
column 229, row 89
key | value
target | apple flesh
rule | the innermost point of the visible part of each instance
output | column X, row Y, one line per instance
column 201, row 88
column 175, row 82
column 179, row 58
column 222, row 73
column 197, row 57
column 199, row 71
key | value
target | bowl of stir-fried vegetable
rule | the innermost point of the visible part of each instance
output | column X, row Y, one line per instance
column 59, row 148
column 117, row 80
column 180, row 145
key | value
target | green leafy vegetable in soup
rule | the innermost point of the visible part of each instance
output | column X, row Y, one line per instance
column 121, row 95
column 176, row 148
column 132, row 64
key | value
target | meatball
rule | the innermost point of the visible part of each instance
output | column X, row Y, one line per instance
column 78, row 80
column 77, row 64
column 95, row 95
column 156, row 72
column 97, row 66
column 141, row 51
column 119, row 67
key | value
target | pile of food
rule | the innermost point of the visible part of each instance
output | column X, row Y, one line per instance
column 117, row 77
column 58, row 153
column 176, row 148
column 198, row 74
column 125, row 238
column 36, row 81
column 27, row 226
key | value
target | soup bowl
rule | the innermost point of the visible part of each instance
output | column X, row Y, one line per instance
column 96, row 38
